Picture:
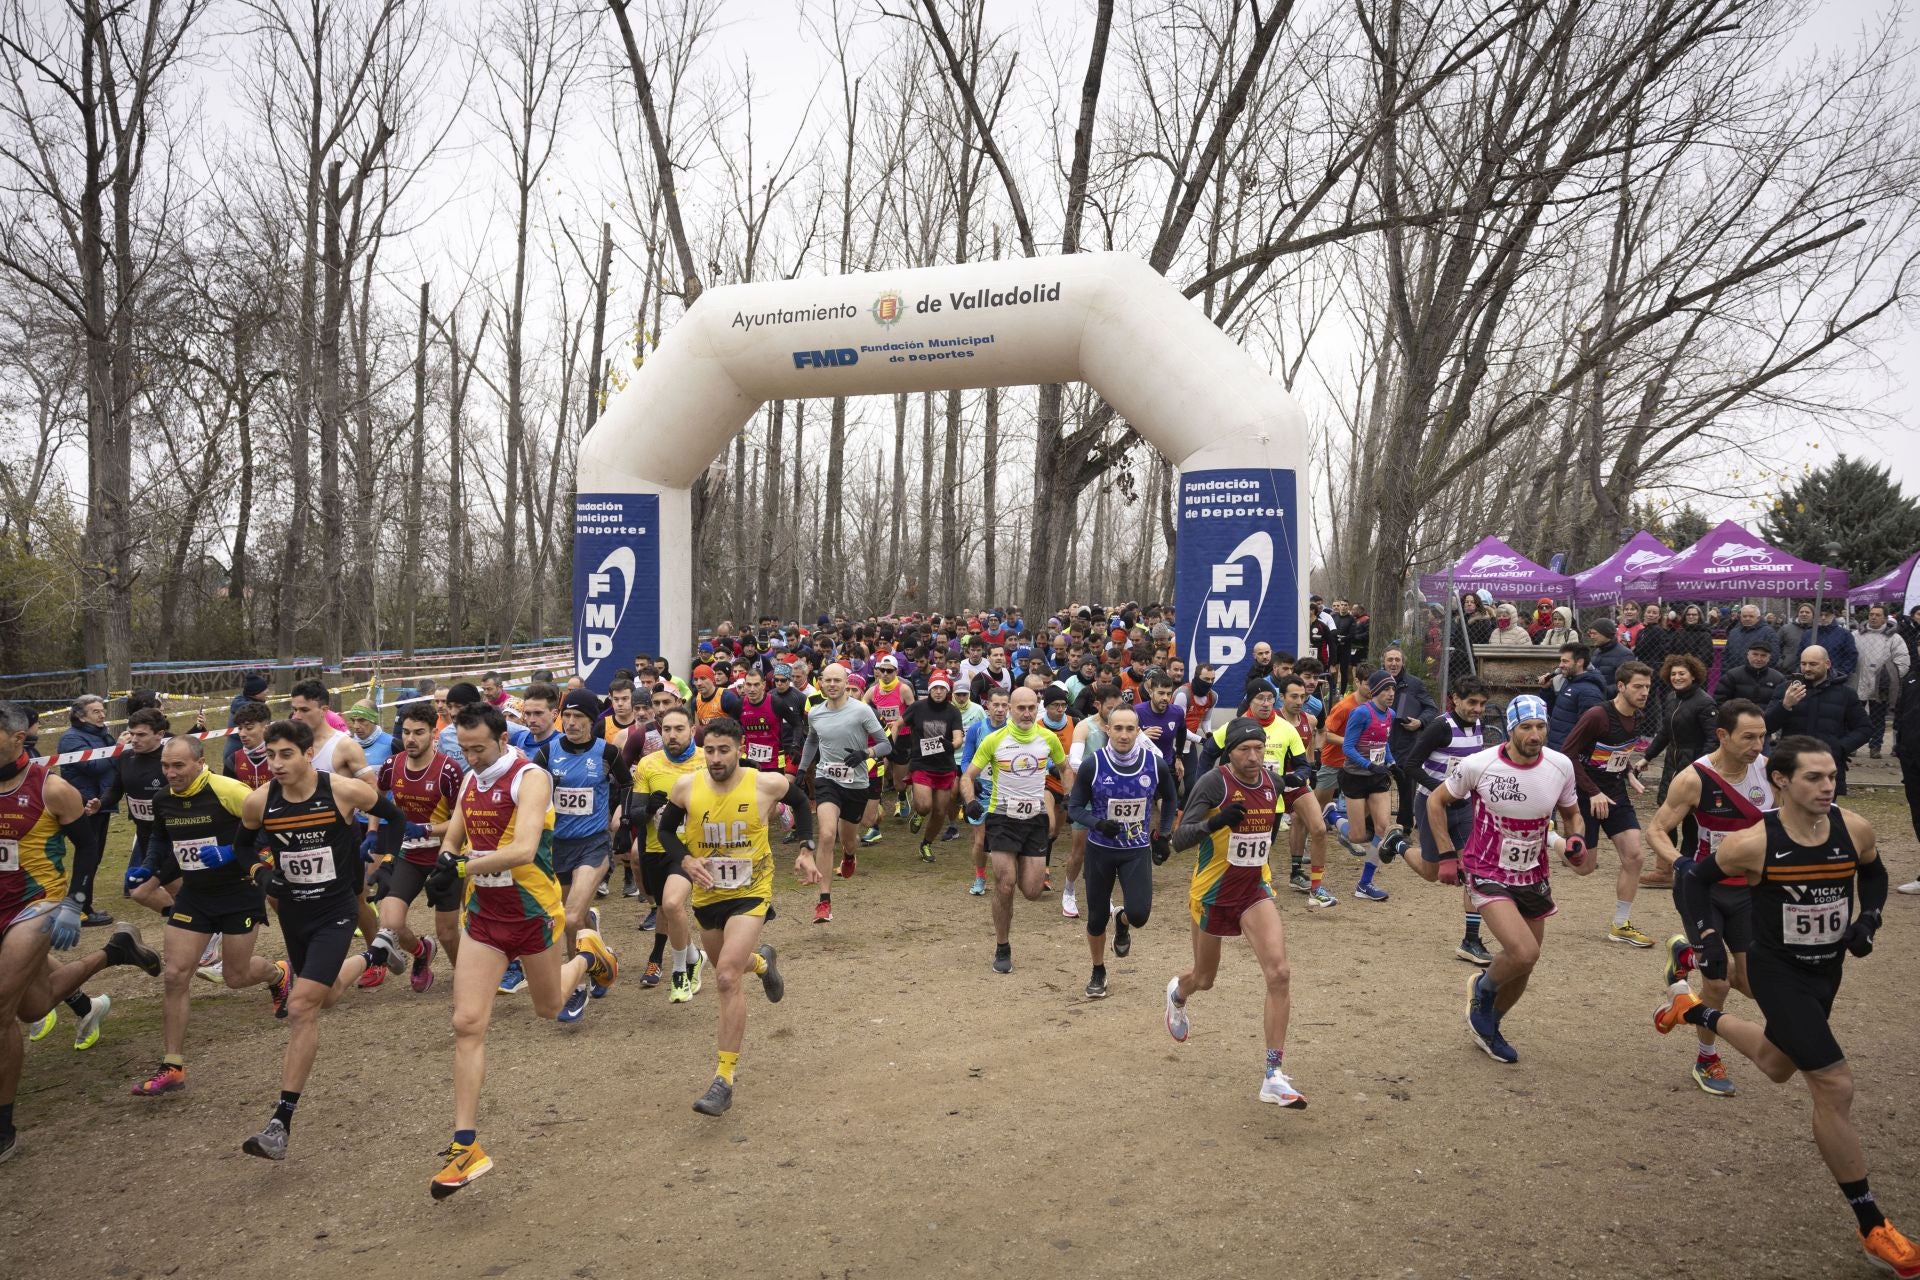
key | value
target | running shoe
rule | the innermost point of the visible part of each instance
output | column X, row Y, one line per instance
column 209, row 962
column 900, row 808
column 124, row 947
column 823, row 913
column 696, row 964
column 716, row 1100
column 602, row 890
column 848, row 866
column 1097, row 984
column 870, row 836
column 602, row 966
column 270, row 1143
column 1178, row 1024
column 9, row 1143
column 1679, row 959
column 593, row 919
column 979, row 886
column 774, row 984
column 653, row 918
column 1393, row 844
column 464, row 1163
column 651, row 978
column 1003, row 957
column 88, row 1033
column 1911, row 886
column 679, row 987
column 40, row 1028
column 513, row 979
column 1484, row 1024
column 1628, row 934
column 632, row 889
column 94, row 919
column 281, row 988
column 576, row 1006
column 926, row 851
column 1891, row 1251
column 1321, row 897
column 953, row 833
column 215, row 973
column 1122, row 936
column 422, row 977
column 917, row 821
column 1069, row 904
column 1711, row 1076
column 1370, row 891
column 1671, row 1014
column 1300, row 882
column 1277, row 1089
column 373, row 977
column 166, row 1080
column 790, row 837
column 1474, row 951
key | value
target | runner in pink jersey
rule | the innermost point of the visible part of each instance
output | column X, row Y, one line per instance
column 1517, row 789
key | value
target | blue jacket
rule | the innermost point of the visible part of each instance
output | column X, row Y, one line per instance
column 1841, row 651
column 94, row 778
column 1579, row 695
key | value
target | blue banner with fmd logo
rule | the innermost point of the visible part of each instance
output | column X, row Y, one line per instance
column 616, row 582
column 1237, row 572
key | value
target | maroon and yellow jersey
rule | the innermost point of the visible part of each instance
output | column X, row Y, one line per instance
column 33, row 853
column 426, row 797
column 491, row 814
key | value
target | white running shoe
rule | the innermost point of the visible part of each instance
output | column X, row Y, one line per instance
column 1277, row 1089
column 1069, row 905
column 87, row 1034
column 210, row 966
column 1177, row 1023
column 1911, row 886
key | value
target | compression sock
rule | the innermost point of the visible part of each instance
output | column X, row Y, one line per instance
column 759, row 963
column 1293, row 868
column 81, row 1003
column 1366, row 871
column 1273, row 1059
column 465, row 1137
column 729, row 1059
column 1702, row 1016
column 1864, row 1207
column 1622, row 912
column 1473, row 926
column 6, row 1118
column 284, row 1112
column 659, row 947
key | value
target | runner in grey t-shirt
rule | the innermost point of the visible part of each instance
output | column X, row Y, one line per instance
column 841, row 734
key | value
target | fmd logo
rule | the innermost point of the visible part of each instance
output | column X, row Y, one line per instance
column 1233, row 601
column 1741, row 552
column 839, row 357
column 609, row 591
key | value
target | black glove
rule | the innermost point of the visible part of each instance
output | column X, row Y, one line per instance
column 383, row 879
column 1230, row 814
column 1299, row 780
column 974, row 810
column 271, row 882
column 623, row 839
column 855, row 757
column 448, row 870
column 1860, row 933
column 1162, row 849
column 1108, row 828
column 1379, row 768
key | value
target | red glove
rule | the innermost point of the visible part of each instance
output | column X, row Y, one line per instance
column 1449, row 870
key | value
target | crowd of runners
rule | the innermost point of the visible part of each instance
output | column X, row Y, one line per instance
column 1070, row 756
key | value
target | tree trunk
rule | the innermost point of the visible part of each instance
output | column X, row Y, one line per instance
column 596, row 374
column 414, row 517
column 923, row 569
column 833, row 578
column 807, row 536
column 763, row 572
column 897, row 517
column 990, row 499
column 333, row 607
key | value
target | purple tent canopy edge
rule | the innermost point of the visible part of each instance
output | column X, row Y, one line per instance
column 1891, row 585
column 1731, row 563
column 1603, row 583
column 1495, row 567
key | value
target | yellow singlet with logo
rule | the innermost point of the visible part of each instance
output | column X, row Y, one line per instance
column 728, row 829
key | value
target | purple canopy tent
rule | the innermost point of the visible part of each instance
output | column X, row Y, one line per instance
column 1604, row 583
column 1898, row 583
column 1495, row 567
column 1731, row 564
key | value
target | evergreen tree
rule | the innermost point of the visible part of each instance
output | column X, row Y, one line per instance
column 1850, row 504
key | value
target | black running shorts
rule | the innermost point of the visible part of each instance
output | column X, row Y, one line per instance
column 1022, row 837
column 1797, row 1000
column 1620, row 817
column 852, row 802
column 406, row 880
column 318, row 935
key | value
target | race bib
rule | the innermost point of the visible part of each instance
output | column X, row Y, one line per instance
column 1377, row 755
column 888, row 714
column 731, row 873
column 9, row 855
column 1023, row 807
column 759, row 753
column 573, row 802
column 1131, row 812
column 1248, row 850
column 933, row 745
column 1813, row 924
column 188, row 852
column 310, row 867
column 492, row 880
column 1619, row 761
column 844, row 775
column 1519, row 853
column 140, row 810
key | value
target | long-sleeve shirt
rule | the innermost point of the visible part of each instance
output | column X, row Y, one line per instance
column 1080, row 802
column 847, row 735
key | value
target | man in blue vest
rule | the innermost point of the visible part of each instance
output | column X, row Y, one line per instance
column 590, row 784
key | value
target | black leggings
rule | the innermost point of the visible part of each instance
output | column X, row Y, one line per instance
column 1134, row 870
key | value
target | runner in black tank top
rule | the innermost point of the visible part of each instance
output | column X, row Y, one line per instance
column 310, row 866
column 1804, row 863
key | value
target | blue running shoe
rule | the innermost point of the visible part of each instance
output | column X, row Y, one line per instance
column 1370, row 891
column 576, row 1006
column 870, row 836
column 653, row 918
column 1484, row 1023
column 512, row 980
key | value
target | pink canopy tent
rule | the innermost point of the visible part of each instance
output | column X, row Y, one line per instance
column 1731, row 564
column 1603, row 583
column 1496, row 568
column 1900, row 583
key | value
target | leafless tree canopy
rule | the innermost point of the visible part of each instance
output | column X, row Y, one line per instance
column 306, row 304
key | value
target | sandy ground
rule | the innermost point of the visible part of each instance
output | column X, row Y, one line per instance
column 907, row 1112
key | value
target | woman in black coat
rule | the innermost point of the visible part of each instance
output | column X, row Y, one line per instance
column 1688, row 731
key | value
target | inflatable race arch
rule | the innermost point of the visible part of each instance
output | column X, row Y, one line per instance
column 1107, row 319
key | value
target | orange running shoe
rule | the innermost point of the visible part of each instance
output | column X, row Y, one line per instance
column 168, row 1079
column 1674, row 1011
column 464, row 1164
column 1891, row 1251
column 602, row 967
column 281, row 987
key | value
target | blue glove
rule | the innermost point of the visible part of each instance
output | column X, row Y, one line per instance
column 370, row 847
column 65, row 924
column 136, row 876
column 218, row 855
column 416, row 831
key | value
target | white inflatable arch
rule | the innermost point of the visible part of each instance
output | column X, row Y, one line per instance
column 1104, row 318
